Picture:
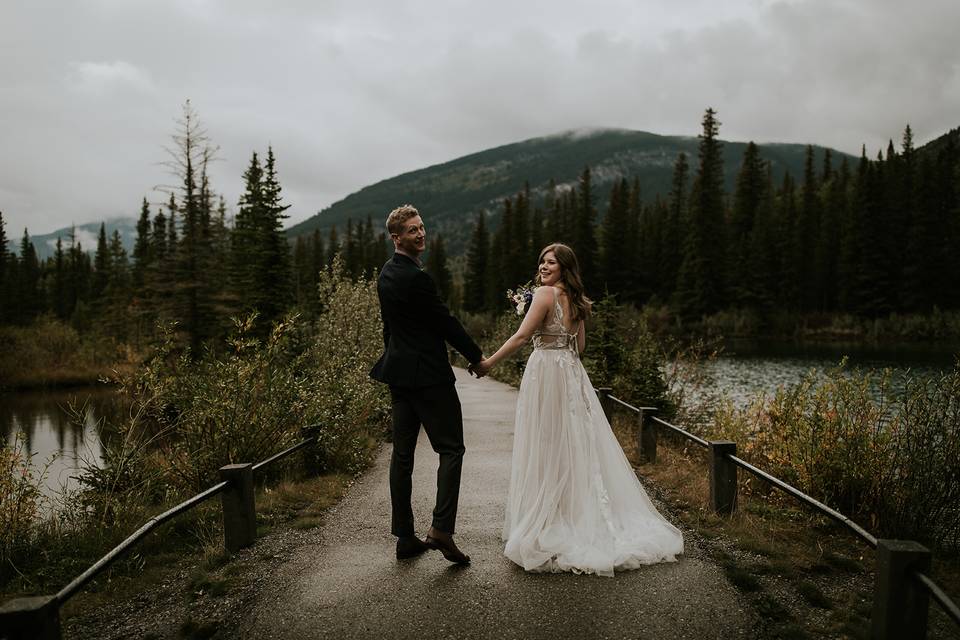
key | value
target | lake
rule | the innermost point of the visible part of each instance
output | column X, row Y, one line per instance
column 63, row 430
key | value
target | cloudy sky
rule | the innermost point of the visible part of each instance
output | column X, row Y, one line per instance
column 350, row 92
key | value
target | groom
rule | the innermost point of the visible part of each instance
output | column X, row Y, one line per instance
column 416, row 324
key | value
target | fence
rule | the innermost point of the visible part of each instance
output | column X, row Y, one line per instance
column 38, row 617
column 902, row 589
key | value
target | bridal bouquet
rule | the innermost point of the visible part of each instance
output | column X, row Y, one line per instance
column 521, row 296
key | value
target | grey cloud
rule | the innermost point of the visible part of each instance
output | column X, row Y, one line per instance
column 350, row 93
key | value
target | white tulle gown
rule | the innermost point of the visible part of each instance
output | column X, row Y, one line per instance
column 575, row 503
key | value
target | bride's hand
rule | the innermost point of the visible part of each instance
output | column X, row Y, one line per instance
column 480, row 368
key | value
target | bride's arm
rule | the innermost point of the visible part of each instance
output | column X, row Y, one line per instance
column 539, row 306
column 581, row 337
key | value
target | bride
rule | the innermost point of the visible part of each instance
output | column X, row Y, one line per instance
column 575, row 503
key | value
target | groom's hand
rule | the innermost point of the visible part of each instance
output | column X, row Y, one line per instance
column 473, row 368
column 479, row 369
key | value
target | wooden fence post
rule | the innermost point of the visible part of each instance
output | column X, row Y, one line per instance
column 604, row 394
column 723, row 477
column 33, row 618
column 646, row 437
column 900, row 603
column 239, row 510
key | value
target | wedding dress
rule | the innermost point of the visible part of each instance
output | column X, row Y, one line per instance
column 575, row 503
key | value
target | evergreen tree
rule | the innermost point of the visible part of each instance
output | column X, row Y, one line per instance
column 671, row 239
column 809, row 281
column 4, row 280
column 584, row 231
column 700, row 288
column 747, row 199
column 276, row 258
column 537, row 241
column 476, row 276
column 101, row 265
column 141, row 247
column 244, row 238
column 616, row 254
column 553, row 205
column 58, row 290
column 352, row 254
column 436, row 266
column 29, row 298
column 333, row 245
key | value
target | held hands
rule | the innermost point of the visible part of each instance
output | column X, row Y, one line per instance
column 480, row 368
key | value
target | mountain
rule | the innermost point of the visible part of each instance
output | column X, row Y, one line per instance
column 86, row 234
column 449, row 194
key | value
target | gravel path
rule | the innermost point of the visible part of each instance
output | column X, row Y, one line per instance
column 348, row 584
column 341, row 580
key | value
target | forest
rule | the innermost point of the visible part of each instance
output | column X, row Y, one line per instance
column 865, row 238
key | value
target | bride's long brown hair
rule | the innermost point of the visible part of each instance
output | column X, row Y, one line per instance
column 570, row 277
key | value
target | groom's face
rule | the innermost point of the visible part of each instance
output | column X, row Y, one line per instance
column 413, row 239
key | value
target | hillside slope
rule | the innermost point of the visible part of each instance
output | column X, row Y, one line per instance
column 449, row 194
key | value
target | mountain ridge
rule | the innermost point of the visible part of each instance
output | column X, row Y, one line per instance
column 451, row 193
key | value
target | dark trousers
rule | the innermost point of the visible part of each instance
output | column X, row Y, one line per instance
column 437, row 408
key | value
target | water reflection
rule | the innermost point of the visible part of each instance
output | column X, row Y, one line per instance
column 63, row 431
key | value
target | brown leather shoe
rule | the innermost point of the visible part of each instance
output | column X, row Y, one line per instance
column 448, row 549
column 410, row 547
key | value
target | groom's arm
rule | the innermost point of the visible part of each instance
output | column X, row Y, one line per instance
column 440, row 320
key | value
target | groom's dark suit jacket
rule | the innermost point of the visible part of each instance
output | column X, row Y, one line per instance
column 416, row 324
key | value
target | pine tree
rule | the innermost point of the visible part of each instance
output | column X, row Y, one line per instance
column 276, row 258
column 141, row 247
column 700, row 288
column 436, row 266
column 101, row 265
column 244, row 238
column 809, row 282
column 58, row 290
column 671, row 239
column 553, row 205
column 615, row 252
column 520, row 263
column 537, row 241
column 352, row 255
column 29, row 297
column 584, row 231
column 747, row 198
column 476, row 276
column 4, row 280
column 333, row 246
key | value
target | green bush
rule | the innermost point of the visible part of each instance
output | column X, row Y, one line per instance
column 190, row 414
column 20, row 499
column 889, row 459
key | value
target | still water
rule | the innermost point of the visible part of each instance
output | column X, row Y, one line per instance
column 746, row 369
column 63, row 431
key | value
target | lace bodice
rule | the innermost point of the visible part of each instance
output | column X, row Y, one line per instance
column 553, row 334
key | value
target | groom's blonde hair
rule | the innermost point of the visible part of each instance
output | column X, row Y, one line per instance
column 398, row 216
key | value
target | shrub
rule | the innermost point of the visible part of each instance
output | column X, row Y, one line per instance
column 889, row 459
column 20, row 499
